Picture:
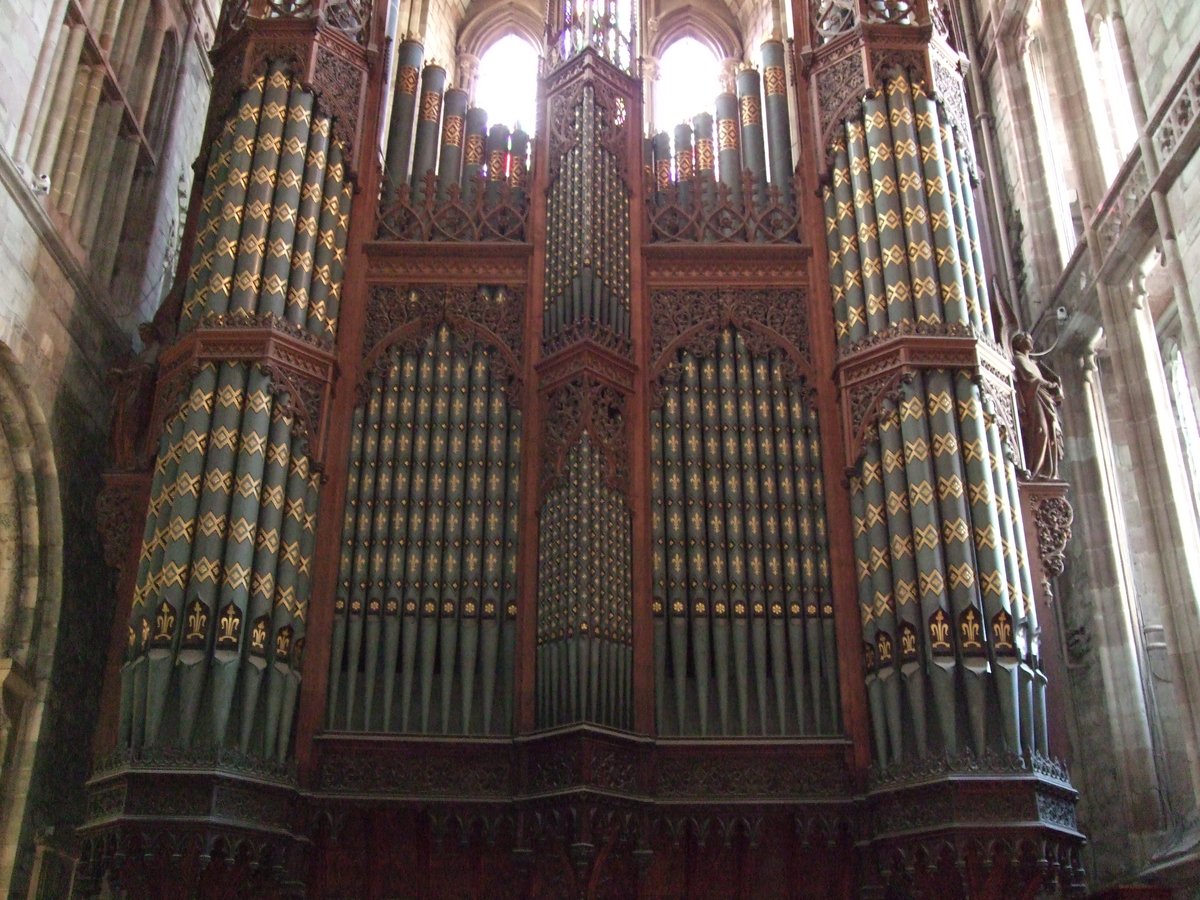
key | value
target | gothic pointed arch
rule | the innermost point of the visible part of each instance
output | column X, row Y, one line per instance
column 710, row 23
column 491, row 20
column 30, row 591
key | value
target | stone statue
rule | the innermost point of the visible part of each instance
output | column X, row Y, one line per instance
column 133, row 396
column 1039, row 395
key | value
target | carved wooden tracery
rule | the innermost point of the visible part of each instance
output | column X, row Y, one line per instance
column 405, row 316
column 691, row 319
column 871, row 371
column 585, row 403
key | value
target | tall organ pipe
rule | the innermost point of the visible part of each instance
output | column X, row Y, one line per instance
column 450, row 548
column 281, row 237
column 685, row 163
column 341, row 600
column 429, row 117
column 705, row 159
column 474, row 150
column 661, row 143
column 659, row 563
column 308, row 215
column 754, row 154
column 211, row 289
column 400, row 129
column 453, row 131
column 212, row 517
column 729, row 154
column 715, row 503
column 497, row 162
column 266, row 562
column 431, row 572
column 518, row 164
column 256, row 216
column 775, row 110
column 904, row 571
column 403, row 466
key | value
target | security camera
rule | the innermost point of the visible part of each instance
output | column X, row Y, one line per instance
column 1060, row 314
column 41, row 184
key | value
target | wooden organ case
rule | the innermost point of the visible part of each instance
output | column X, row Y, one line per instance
column 589, row 515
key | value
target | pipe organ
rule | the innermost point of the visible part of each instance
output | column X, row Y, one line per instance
column 582, row 512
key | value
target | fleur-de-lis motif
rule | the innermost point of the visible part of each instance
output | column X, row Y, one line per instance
column 229, row 626
column 197, row 621
column 1002, row 632
column 970, row 630
column 164, row 622
column 283, row 643
column 939, row 632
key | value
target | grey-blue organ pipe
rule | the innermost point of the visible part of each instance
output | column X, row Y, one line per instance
column 474, row 149
column 754, row 154
column 706, row 168
column 662, row 161
column 497, row 161
column 729, row 154
column 518, row 163
column 429, row 116
column 400, row 129
column 453, row 130
column 685, row 162
column 775, row 112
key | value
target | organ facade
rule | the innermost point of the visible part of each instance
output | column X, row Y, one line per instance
column 583, row 512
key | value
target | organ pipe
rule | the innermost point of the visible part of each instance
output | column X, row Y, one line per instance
column 754, row 155
column 429, row 116
column 775, row 114
column 453, row 132
column 899, row 225
column 437, row 547
column 741, row 551
column 400, row 127
column 222, row 585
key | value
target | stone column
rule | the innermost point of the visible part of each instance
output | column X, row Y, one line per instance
column 466, row 70
column 649, row 82
column 1161, row 530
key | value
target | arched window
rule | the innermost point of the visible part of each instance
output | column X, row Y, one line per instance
column 506, row 86
column 1115, row 92
column 1064, row 201
column 688, row 82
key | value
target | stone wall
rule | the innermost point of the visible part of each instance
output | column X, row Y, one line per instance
column 1128, row 598
column 65, row 330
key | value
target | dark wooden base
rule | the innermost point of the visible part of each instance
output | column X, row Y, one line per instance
column 580, row 812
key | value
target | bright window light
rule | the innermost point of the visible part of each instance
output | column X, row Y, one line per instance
column 507, row 83
column 687, row 83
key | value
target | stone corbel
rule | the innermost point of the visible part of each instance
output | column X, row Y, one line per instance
column 1047, row 517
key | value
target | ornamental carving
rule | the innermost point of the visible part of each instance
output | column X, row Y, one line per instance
column 838, row 85
column 406, row 316
column 301, row 400
column 590, row 92
column 1052, row 516
column 120, row 509
column 888, row 62
column 435, row 775
column 580, row 405
column 675, row 215
column 339, row 84
column 952, row 97
column 690, row 320
column 730, row 777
